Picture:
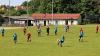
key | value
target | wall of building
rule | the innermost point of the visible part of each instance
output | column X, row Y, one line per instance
column 55, row 22
column 69, row 22
column 72, row 22
column 61, row 22
column 19, row 22
column 75, row 22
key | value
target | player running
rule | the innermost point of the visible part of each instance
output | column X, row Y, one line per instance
column 81, row 35
column 61, row 41
column 15, row 37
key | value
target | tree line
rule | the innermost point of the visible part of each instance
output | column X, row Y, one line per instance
column 89, row 9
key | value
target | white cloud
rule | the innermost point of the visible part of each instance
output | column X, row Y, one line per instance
column 12, row 2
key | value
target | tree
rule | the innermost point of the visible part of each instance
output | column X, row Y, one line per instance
column 1, row 20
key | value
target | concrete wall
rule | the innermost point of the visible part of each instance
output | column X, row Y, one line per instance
column 56, row 22
column 72, row 22
column 19, row 22
column 75, row 22
column 69, row 22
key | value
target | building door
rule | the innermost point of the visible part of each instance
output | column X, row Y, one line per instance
column 71, row 22
column 45, row 23
column 66, row 22
column 29, row 23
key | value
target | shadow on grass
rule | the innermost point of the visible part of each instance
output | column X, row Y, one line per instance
column 83, row 41
column 46, row 36
column 52, row 35
column 67, row 46
column 21, row 43
column 40, row 36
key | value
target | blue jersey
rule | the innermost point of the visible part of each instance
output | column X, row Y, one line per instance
column 62, row 39
column 81, row 33
column 15, row 36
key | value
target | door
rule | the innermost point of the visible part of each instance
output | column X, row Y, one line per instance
column 29, row 23
column 66, row 22
column 44, row 22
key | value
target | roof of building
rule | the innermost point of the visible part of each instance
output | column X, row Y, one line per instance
column 20, row 17
column 55, row 16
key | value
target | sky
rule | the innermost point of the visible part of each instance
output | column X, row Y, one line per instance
column 12, row 2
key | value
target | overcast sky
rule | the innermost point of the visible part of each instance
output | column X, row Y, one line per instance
column 13, row 2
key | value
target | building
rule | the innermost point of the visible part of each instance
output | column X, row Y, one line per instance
column 44, row 19
column 20, row 8
column 56, row 19
column 18, row 21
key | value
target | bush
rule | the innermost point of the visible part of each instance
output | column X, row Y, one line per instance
column 1, row 20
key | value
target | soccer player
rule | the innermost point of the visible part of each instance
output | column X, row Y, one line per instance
column 39, row 30
column 68, row 27
column 55, row 30
column 3, row 32
column 61, row 41
column 28, row 37
column 97, row 29
column 15, row 37
column 81, row 35
column 65, row 28
column 47, row 30
column 24, row 30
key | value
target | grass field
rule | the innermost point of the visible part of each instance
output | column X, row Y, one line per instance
column 47, row 45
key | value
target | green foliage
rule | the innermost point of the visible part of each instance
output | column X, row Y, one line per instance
column 3, row 10
column 62, row 6
column 1, row 20
column 14, row 12
column 20, row 12
column 24, row 3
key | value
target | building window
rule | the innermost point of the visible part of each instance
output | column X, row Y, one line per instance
column 19, row 22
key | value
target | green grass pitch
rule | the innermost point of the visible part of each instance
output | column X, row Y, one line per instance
column 47, row 45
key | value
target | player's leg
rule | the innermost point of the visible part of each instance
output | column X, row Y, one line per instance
column 38, row 33
column 60, row 44
column 82, row 38
column 79, row 38
column 97, row 31
column 24, row 32
column 58, row 41
column 14, row 41
column 56, row 33
column 2, row 34
column 28, row 39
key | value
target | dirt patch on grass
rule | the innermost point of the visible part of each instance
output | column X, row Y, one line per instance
column 11, row 27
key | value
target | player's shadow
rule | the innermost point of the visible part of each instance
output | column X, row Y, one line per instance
column 46, row 36
column 21, row 43
column 84, row 41
column 41, row 36
column 51, row 35
column 67, row 46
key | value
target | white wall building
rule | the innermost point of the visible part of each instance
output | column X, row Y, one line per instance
column 56, row 19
